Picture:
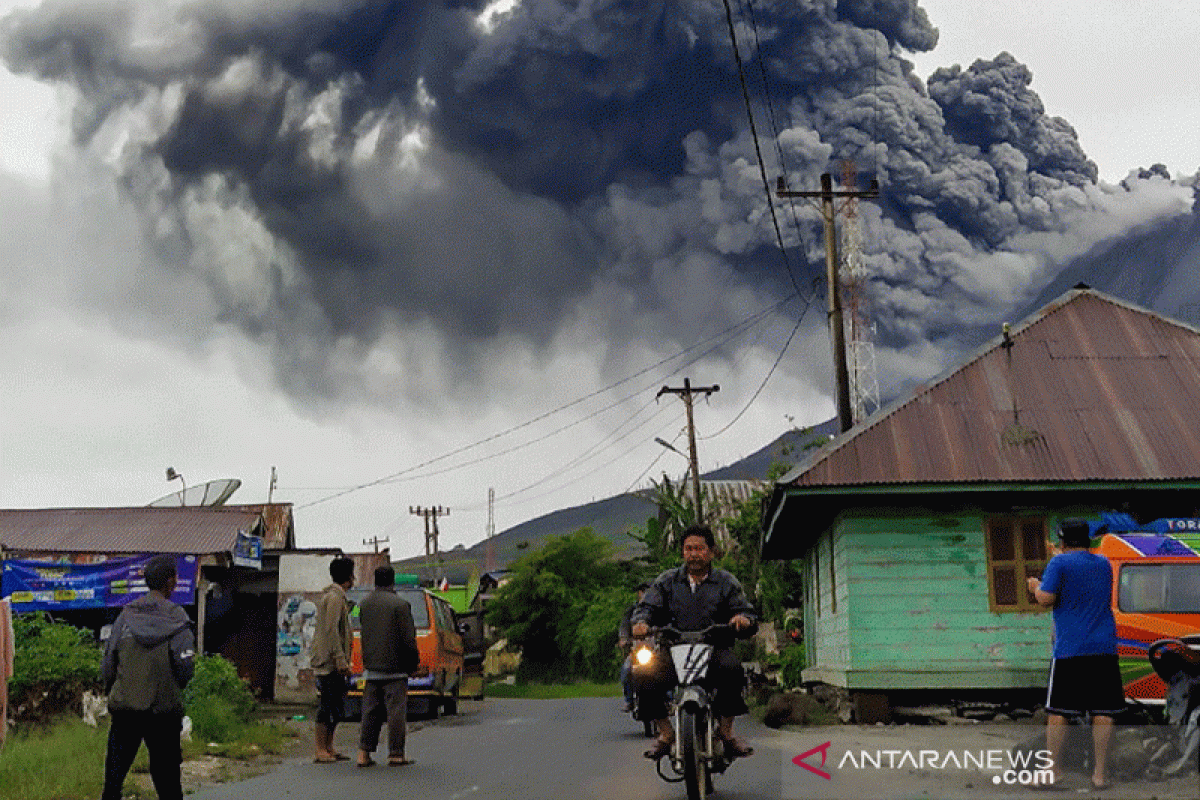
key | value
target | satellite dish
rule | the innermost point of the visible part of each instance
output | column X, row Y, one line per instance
column 213, row 493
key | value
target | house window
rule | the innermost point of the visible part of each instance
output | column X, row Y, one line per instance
column 1016, row 549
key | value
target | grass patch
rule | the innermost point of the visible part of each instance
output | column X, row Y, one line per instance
column 64, row 760
column 247, row 741
column 552, row 691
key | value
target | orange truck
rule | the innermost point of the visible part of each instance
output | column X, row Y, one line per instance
column 1156, row 595
column 435, row 689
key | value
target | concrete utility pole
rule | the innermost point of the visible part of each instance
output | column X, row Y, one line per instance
column 375, row 540
column 687, row 393
column 836, row 330
column 431, row 529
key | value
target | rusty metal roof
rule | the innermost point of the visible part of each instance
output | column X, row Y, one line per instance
column 1091, row 389
column 279, row 531
column 194, row 530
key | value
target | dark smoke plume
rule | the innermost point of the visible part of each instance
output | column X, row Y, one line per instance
column 338, row 171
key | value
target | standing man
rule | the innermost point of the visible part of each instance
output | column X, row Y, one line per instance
column 1085, row 676
column 691, row 598
column 148, row 660
column 331, row 658
column 389, row 648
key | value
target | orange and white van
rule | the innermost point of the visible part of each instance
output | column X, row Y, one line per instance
column 1156, row 595
column 436, row 686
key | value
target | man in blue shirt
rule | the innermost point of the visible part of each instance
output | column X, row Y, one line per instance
column 1085, row 677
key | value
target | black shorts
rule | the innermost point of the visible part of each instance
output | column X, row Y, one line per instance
column 331, row 698
column 1085, row 685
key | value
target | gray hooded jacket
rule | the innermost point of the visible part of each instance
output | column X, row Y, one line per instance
column 149, row 657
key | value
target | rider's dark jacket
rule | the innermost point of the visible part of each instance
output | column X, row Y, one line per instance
column 670, row 600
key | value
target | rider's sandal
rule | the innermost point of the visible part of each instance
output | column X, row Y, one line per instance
column 737, row 748
column 659, row 750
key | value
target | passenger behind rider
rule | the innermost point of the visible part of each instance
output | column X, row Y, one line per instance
column 692, row 597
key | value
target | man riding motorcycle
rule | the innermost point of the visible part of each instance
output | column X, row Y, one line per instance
column 692, row 597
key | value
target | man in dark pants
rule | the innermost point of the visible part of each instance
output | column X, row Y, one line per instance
column 331, row 659
column 1085, row 675
column 389, row 648
column 148, row 660
column 691, row 598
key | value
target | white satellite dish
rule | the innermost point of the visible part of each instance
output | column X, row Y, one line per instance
column 213, row 493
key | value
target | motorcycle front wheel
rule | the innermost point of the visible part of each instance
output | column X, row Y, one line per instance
column 691, row 741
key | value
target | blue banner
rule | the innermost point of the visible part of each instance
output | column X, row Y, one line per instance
column 34, row 585
column 247, row 551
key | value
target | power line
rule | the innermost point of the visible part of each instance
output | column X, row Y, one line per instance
column 728, row 333
column 762, row 167
column 762, row 385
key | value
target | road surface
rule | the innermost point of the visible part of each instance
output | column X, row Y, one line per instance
column 586, row 749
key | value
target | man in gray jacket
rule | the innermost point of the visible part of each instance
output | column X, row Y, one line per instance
column 389, row 650
column 148, row 660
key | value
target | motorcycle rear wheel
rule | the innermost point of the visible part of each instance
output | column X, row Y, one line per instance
column 692, row 727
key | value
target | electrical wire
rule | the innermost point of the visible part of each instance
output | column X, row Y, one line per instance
column 719, row 339
column 762, row 167
column 762, row 385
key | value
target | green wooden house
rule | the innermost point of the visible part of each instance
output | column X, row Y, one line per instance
column 917, row 528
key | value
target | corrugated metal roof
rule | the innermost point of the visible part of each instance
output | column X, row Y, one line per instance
column 196, row 530
column 1092, row 389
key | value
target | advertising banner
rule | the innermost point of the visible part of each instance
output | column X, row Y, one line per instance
column 59, row 585
column 247, row 551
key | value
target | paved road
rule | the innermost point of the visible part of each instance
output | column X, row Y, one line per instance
column 585, row 749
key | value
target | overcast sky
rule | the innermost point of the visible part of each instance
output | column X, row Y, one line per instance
column 141, row 324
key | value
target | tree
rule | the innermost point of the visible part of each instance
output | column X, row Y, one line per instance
column 552, row 594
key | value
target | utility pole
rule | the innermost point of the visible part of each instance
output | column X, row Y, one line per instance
column 687, row 393
column 836, row 330
column 376, row 541
column 491, row 530
column 431, row 529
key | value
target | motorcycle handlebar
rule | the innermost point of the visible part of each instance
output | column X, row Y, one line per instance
column 718, row 632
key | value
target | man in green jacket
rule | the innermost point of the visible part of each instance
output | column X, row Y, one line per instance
column 330, row 658
column 389, row 649
column 148, row 660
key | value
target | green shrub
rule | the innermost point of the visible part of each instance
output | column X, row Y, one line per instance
column 214, row 719
column 217, row 696
column 793, row 660
column 57, row 662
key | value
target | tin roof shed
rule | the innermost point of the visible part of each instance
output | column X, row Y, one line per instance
column 191, row 530
column 1089, row 392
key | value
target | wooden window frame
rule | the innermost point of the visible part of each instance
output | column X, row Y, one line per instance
column 1021, row 564
column 817, row 575
column 832, row 579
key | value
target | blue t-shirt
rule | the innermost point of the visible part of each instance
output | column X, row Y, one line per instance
column 1083, row 618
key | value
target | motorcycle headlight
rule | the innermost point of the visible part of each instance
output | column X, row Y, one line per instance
column 643, row 656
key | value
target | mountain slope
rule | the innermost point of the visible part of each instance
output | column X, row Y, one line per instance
column 611, row 518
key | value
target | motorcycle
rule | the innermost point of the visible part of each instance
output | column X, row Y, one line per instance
column 1177, row 662
column 634, row 711
column 698, row 752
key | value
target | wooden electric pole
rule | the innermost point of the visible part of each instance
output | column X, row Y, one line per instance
column 687, row 393
column 837, row 331
column 431, row 530
column 375, row 540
